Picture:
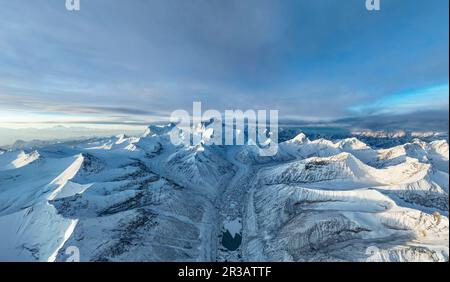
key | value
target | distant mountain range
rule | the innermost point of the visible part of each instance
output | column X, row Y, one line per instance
column 141, row 198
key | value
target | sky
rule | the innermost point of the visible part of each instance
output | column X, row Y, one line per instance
column 123, row 64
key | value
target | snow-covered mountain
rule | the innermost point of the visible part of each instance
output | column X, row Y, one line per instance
column 144, row 199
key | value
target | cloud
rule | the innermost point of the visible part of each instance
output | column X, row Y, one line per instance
column 141, row 59
column 432, row 120
column 430, row 98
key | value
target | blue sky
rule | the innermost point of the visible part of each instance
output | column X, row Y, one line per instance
column 422, row 99
column 132, row 62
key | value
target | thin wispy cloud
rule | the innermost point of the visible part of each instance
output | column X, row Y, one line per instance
column 426, row 99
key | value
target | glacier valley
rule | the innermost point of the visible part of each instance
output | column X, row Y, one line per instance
column 140, row 198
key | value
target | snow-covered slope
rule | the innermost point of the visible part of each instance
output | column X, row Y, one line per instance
column 144, row 199
column 343, row 207
column 32, row 229
column 16, row 159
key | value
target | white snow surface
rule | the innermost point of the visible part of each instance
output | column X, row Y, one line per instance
column 144, row 199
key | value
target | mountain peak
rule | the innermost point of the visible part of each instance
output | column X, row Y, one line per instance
column 300, row 138
column 158, row 129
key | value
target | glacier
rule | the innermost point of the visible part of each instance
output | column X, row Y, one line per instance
column 141, row 198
